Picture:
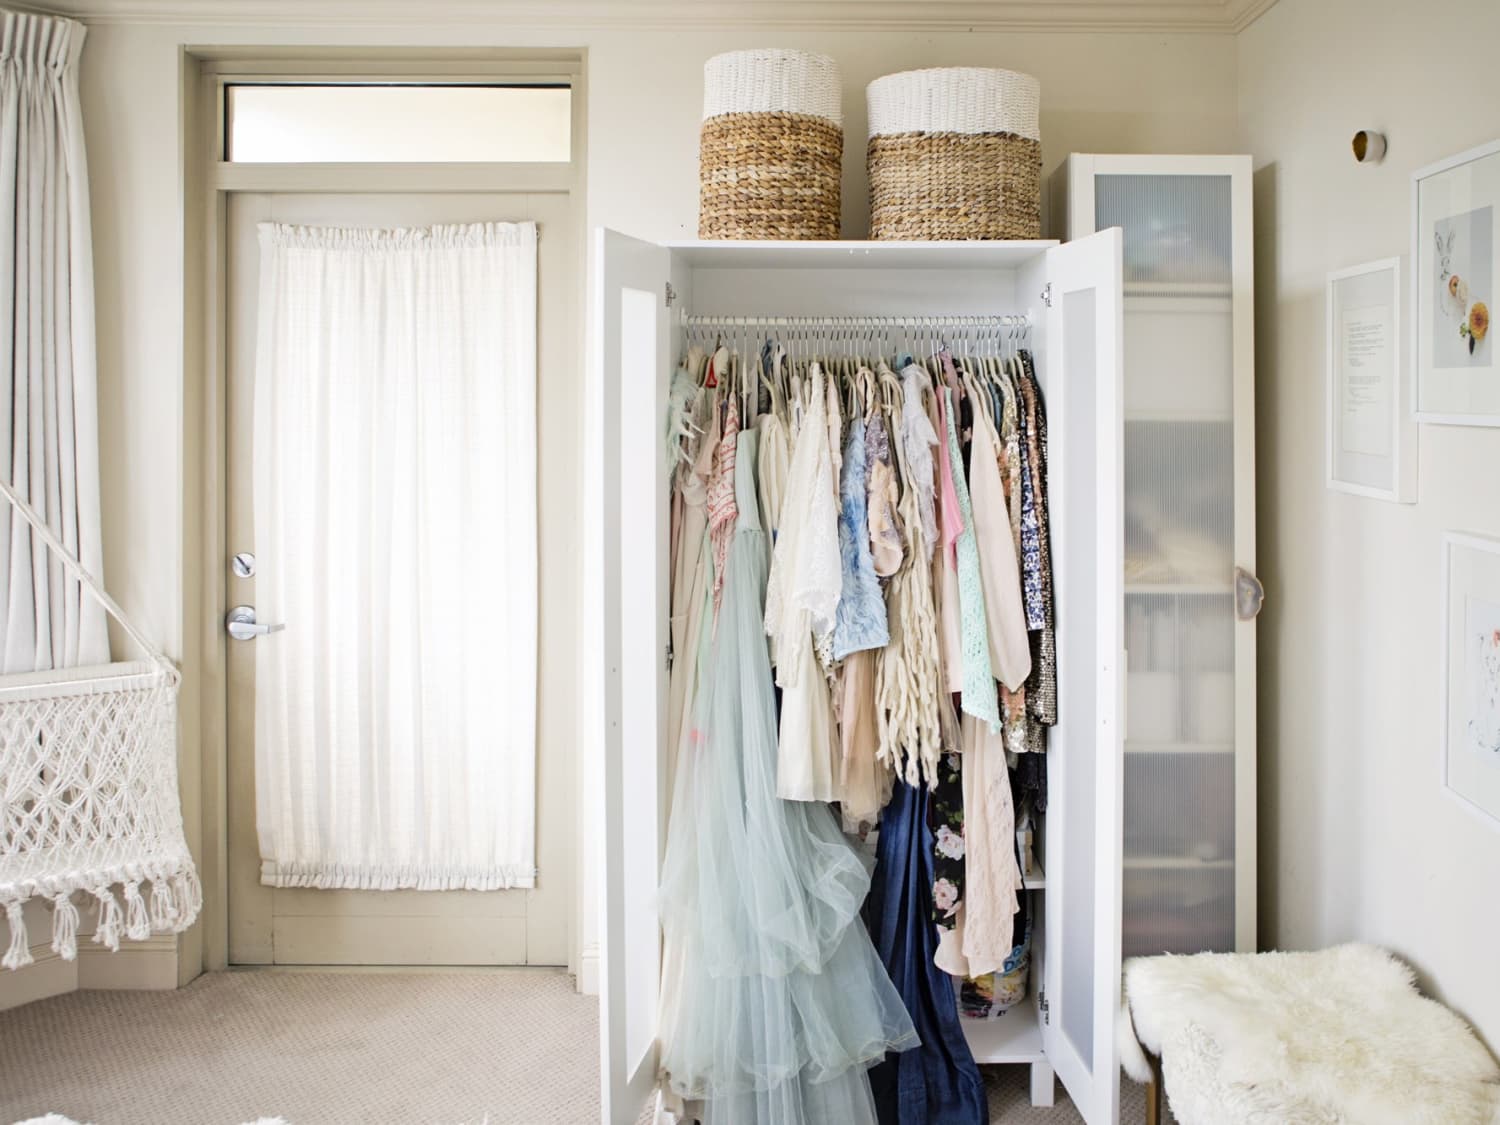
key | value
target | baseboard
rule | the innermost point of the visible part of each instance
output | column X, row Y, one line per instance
column 47, row 975
column 588, row 971
column 145, row 965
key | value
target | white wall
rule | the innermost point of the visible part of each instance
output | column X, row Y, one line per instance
column 1357, row 840
column 1126, row 92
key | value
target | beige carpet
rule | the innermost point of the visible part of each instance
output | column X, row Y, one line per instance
column 515, row 1047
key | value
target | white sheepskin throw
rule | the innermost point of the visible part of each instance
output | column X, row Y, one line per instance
column 1339, row 1036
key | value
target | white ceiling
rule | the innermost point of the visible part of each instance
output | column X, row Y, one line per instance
column 1208, row 16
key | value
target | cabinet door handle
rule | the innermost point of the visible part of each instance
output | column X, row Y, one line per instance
column 1249, row 595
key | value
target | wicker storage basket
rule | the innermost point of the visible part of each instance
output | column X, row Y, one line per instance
column 771, row 147
column 955, row 152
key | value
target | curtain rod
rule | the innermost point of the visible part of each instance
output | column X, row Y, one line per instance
column 1019, row 321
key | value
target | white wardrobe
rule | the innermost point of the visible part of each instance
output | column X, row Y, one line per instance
column 1073, row 295
column 1191, row 596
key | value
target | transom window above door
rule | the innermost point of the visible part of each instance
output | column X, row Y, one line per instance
column 402, row 123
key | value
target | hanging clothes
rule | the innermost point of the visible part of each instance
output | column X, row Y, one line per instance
column 879, row 549
column 886, row 547
column 802, row 596
column 908, row 676
column 1042, row 693
column 692, row 588
column 992, row 877
column 979, row 698
column 1000, row 577
column 781, row 1002
column 860, row 621
column 938, row 1083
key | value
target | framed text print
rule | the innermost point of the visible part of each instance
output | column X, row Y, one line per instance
column 1456, row 256
column 1471, row 661
column 1371, row 437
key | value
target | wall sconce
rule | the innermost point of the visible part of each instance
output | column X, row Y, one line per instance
column 1369, row 146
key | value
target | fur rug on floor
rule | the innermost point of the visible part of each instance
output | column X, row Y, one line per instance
column 1338, row 1036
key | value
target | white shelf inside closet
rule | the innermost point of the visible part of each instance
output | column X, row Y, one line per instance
column 1014, row 1037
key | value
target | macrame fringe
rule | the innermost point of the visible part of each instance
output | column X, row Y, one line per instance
column 64, row 927
column 107, row 932
column 18, row 956
column 137, row 920
column 172, row 905
column 189, row 899
column 163, row 906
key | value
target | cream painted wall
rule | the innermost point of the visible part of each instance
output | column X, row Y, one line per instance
column 1116, row 92
column 1357, row 839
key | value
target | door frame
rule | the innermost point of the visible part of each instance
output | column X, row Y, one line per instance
column 208, row 181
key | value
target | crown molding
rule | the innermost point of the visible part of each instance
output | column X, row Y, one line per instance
column 1223, row 17
column 1242, row 13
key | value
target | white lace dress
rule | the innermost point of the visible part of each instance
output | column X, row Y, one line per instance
column 802, row 596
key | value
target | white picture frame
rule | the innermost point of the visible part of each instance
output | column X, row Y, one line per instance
column 1370, row 438
column 1455, row 267
column 1471, row 672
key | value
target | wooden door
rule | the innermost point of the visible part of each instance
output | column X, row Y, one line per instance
column 308, row 926
column 1084, row 346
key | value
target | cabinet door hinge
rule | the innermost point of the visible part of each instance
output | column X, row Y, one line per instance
column 1041, row 1002
column 671, row 294
column 1047, row 294
column 669, row 656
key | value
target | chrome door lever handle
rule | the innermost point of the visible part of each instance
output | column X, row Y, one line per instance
column 242, row 626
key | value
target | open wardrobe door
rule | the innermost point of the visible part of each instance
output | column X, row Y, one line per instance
column 630, row 367
column 1084, row 361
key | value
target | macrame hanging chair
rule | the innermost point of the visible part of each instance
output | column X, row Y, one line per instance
column 88, row 791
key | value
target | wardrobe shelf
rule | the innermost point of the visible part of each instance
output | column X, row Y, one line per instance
column 1179, row 747
column 1037, row 880
column 1197, row 289
column 1146, row 589
column 1184, row 418
column 1015, row 1037
column 781, row 255
column 1176, row 863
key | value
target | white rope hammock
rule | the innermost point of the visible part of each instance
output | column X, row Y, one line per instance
column 88, row 791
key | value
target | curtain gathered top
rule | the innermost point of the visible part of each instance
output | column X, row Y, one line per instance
column 49, row 443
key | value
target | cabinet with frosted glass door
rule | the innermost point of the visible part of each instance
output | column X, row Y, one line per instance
column 1190, row 592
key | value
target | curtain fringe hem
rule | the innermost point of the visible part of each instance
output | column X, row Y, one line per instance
column 337, row 877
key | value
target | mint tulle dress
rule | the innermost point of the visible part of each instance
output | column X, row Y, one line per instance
column 778, row 1003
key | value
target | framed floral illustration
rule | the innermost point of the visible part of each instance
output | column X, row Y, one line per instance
column 1456, row 264
column 1471, row 708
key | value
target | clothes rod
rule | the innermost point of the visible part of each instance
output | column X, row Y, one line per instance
column 898, row 322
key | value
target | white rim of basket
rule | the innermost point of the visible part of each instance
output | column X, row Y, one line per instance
column 955, row 99
column 773, row 80
column 71, row 562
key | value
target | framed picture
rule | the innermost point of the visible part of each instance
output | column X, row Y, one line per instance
column 1371, row 439
column 1471, row 662
column 1456, row 264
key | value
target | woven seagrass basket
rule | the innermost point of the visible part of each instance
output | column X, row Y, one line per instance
column 955, row 153
column 771, row 146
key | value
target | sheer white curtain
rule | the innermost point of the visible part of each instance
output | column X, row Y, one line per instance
column 395, row 536
column 49, row 442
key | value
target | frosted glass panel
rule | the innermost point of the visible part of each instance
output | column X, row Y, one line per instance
column 1185, row 910
column 1177, row 228
column 397, row 124
column 641, row 553
column 1179, row 560
column 1076, row 643
column 1179, row 502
